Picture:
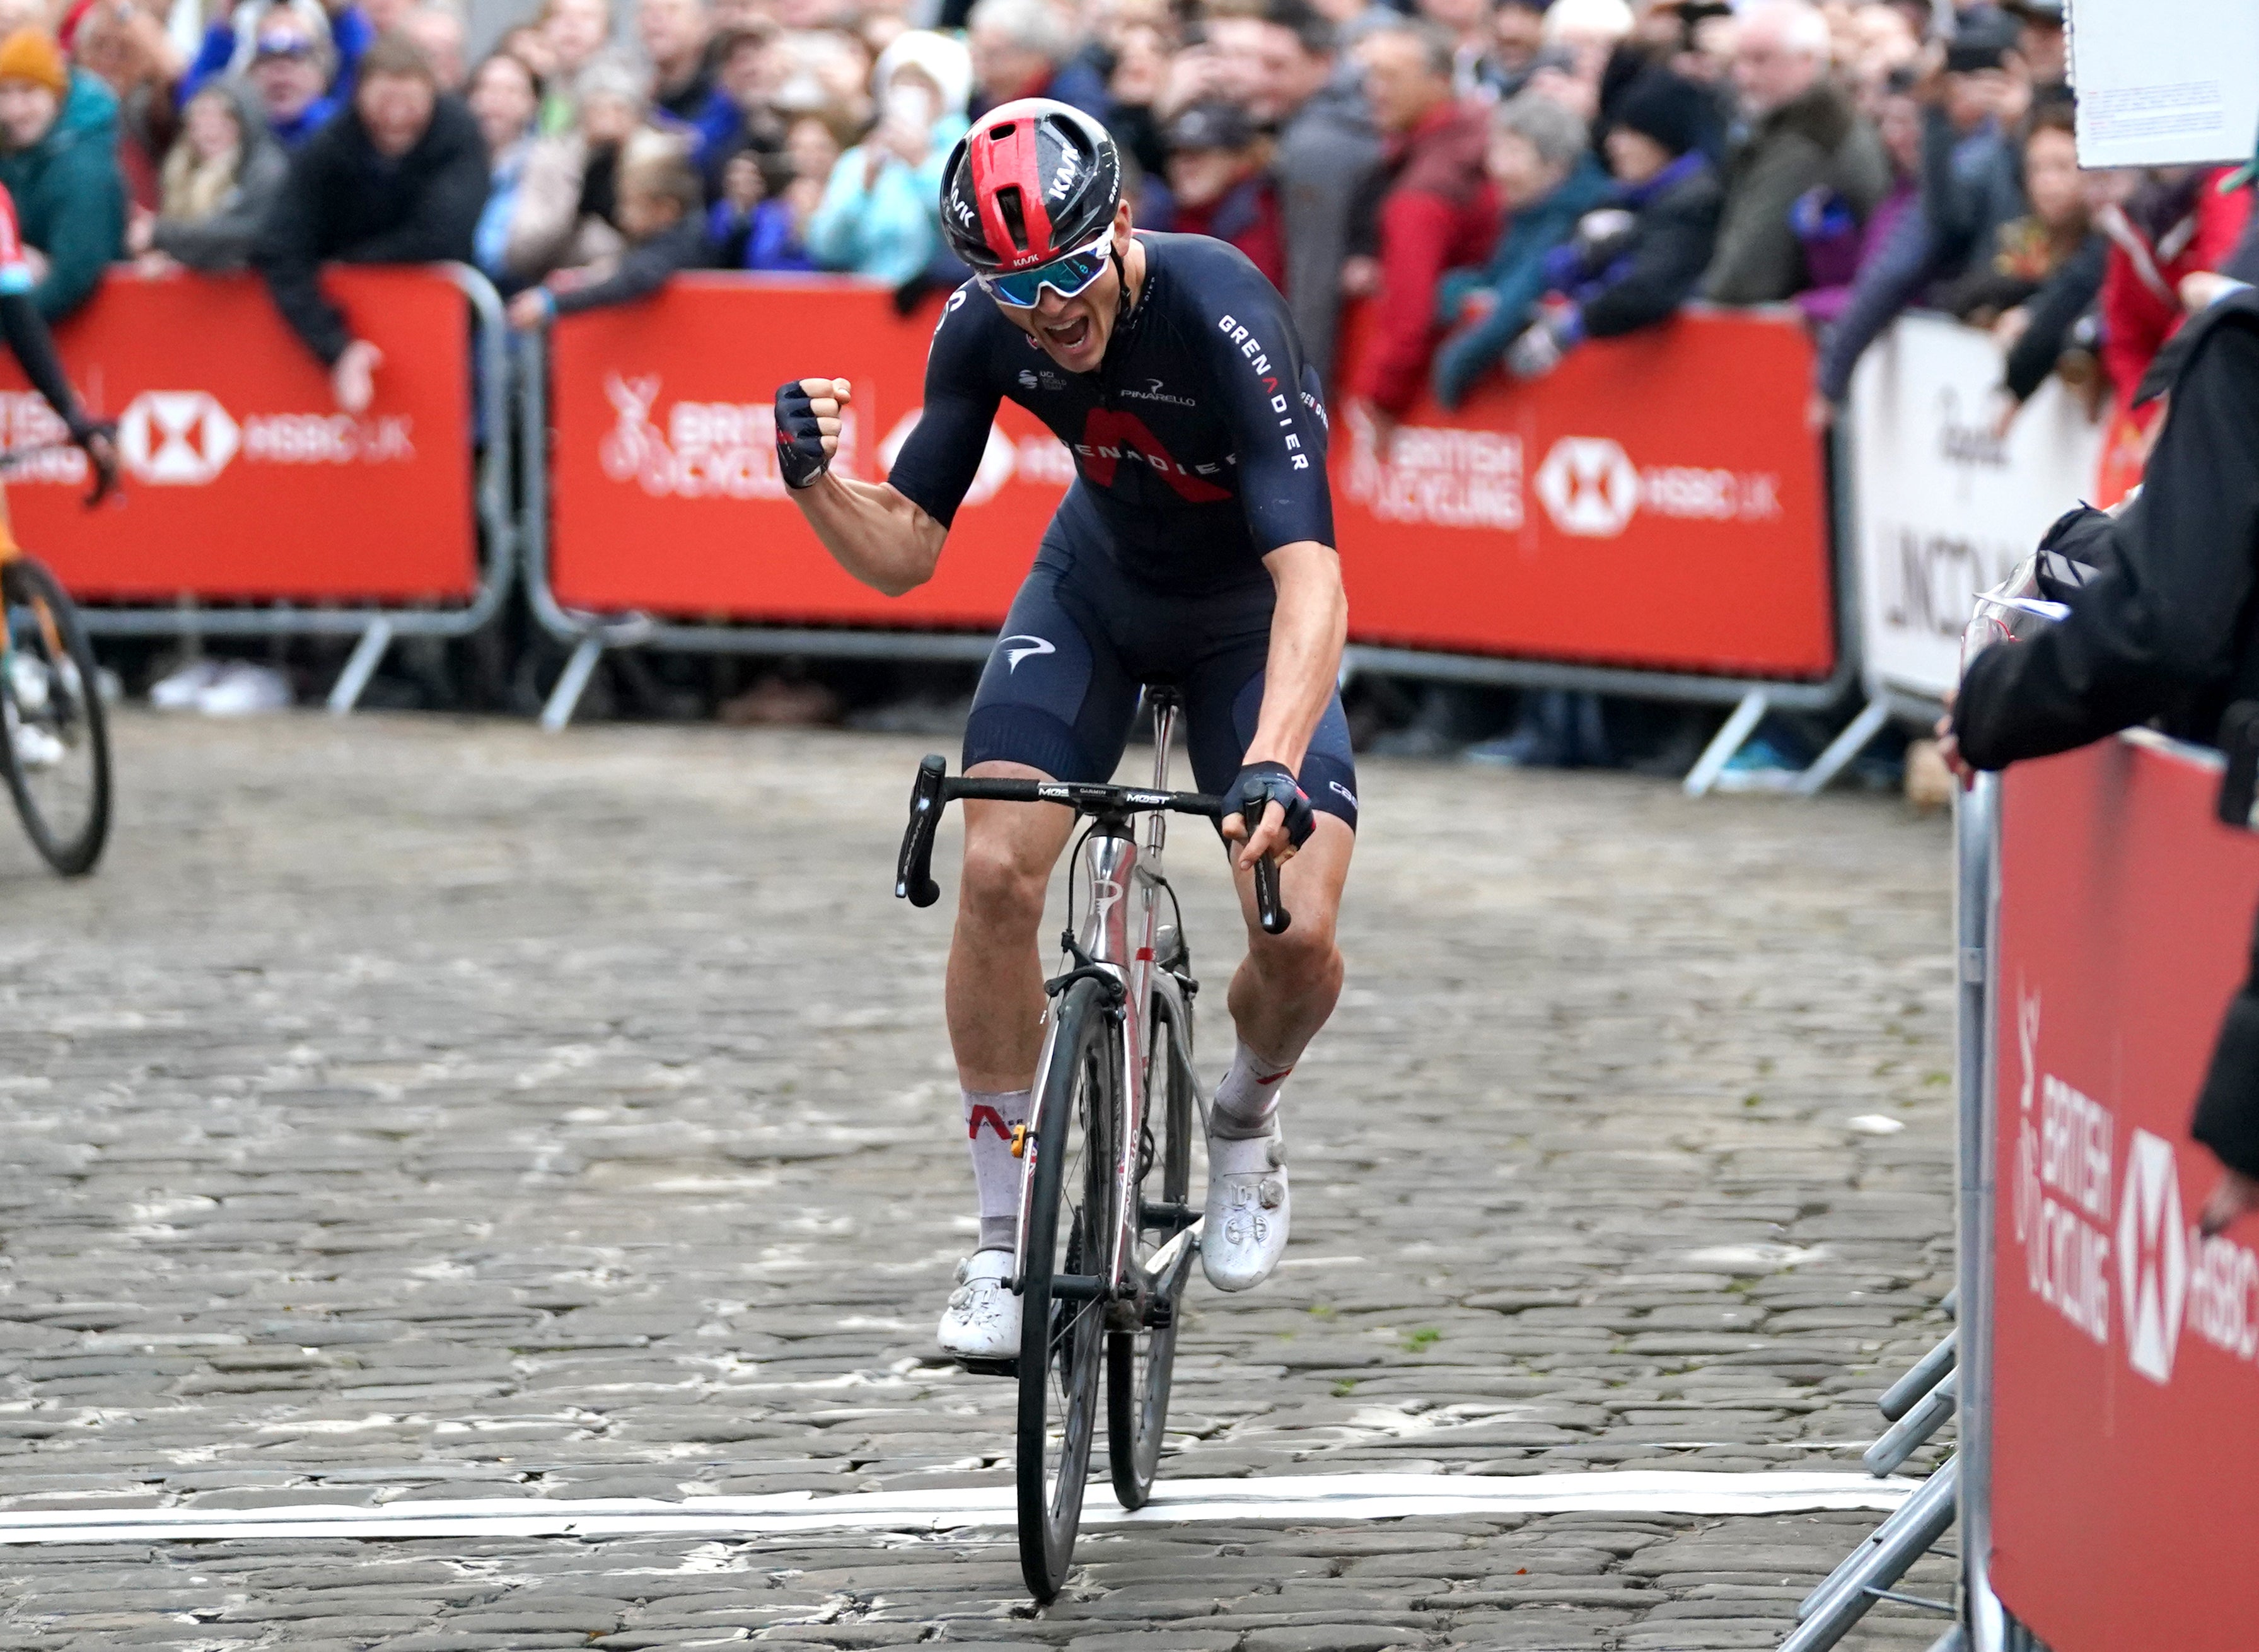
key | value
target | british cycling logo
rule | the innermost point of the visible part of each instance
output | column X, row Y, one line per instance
column 709, row 450
column 1031, row 647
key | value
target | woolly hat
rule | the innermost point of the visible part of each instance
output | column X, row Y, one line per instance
column 31, row 54
column 1662, row 106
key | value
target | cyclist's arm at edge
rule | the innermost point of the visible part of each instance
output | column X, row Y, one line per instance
column 1256, row 364
column 1309, row 629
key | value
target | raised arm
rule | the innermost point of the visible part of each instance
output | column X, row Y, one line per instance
column 871, row 528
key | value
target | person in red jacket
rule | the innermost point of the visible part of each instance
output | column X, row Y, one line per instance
column 2174, row 224
column 1439, row 211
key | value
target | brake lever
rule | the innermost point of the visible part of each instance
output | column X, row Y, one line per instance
column 914, row 870
column 1274, row 917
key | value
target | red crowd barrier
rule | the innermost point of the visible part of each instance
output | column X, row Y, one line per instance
column 1655, row 502
column 1609, row 515
column 2126, row 1361
column 245, row 482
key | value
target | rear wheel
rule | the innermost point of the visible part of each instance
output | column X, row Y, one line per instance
column 54, row 745
column 1139, row 1362
column 1063, row 1320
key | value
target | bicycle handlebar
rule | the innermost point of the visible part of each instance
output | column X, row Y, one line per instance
column 933, row 789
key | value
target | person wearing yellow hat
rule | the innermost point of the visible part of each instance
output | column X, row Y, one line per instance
column 62, row 168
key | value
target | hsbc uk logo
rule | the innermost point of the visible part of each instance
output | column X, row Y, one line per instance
column 2153, row 1256
column 186, row 438
column 177, row 437
column 1589, row 486
column 1592, row 489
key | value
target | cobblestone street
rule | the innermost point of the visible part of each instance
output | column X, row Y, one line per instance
column 424, row 1109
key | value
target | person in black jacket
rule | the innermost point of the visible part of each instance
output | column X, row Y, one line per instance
column 1632, row 261
column 2167, row 628
column 398, row 177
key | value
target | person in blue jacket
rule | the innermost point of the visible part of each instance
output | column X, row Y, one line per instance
column 1541, row 160
column 881, row 214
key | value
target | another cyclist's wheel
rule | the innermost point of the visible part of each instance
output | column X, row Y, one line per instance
column 1063, row 1321
column 1138, row 1363
column 53, row 744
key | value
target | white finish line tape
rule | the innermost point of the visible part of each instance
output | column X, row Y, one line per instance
column 1311, row 1497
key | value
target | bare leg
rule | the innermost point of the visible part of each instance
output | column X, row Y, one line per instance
column 1285, row 988
column 995, row 992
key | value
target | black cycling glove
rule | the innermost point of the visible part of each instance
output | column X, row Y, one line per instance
column 800, row 457
column 1256, row 787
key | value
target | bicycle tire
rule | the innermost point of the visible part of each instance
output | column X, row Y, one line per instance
column 1062, row 1339
column 45, row 629
column 1141, row 1364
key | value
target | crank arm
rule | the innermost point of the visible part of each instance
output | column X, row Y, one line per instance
column 1160, row 1270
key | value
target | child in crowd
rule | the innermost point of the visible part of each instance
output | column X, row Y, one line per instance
column 214, row 187
column 1634, row 259
column 659, row 198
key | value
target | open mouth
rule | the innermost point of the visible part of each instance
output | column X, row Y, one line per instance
column 1070, row 334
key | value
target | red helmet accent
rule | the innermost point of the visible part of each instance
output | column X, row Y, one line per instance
column 1003, row 157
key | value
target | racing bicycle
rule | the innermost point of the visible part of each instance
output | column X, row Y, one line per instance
column 54, row 743
column 1108, row 1229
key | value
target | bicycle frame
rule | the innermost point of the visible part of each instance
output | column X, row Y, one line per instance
column 1121, row 922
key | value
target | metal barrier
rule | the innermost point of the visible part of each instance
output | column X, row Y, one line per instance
column 640, row 391
column 376, row 625
column 1952, row 1380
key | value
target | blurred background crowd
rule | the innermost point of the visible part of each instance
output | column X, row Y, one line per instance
column 1497, row 180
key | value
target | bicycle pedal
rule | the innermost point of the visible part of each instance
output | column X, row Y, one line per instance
column 989, row 1367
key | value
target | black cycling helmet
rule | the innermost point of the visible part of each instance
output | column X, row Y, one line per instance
column 1034, row 181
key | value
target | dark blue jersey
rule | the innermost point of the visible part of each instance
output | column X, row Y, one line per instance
column 1201, row 440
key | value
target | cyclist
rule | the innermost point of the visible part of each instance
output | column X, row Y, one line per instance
column 1194, row 547
column 28, row 340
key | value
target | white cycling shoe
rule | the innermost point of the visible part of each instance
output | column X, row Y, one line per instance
column 982, row 1320
column 1248, row 1207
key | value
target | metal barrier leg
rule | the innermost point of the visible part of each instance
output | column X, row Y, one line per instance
column 1901, row 1396
column 1844, row 747
column 1907, row 1435
column 1897, row 1543
column 368, row 654
column 566, row 695
column 1729, row 739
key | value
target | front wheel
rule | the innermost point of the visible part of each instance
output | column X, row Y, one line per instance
column 54, row 745
column 1063, row 1319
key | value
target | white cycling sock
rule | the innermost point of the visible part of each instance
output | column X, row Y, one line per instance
column 990, row 1117
column 1248, row 1097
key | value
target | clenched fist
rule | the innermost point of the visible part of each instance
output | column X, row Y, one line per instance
column 807, row 416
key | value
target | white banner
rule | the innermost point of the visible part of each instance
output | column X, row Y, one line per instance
column 1942, row 508
column 2165, row 82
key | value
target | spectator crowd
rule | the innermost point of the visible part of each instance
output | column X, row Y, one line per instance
column 1498, row 180
column 1501, row 179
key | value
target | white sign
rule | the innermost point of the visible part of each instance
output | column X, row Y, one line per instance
column 2165, row 82
column 1942, row 507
